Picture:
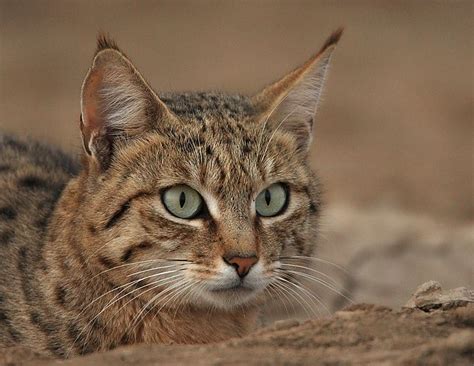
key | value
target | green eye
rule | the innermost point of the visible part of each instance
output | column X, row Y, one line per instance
column 182, row 201
column 272, row 200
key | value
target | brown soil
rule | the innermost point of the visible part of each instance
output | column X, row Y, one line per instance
column 359, row 335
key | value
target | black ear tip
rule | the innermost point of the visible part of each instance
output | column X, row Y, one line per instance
column 333, row 38
column 104, row 41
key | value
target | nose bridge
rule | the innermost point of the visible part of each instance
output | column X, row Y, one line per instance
column 239, row 238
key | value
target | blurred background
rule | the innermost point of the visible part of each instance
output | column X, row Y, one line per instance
column 393, row 139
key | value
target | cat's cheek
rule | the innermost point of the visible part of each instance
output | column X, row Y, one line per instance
column 169, row 245
column 257, row 279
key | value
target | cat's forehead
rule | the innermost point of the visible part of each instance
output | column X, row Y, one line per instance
column 218, row 143
column 224, row 123
column 209, row 106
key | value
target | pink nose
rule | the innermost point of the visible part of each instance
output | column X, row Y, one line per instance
column 241, row 264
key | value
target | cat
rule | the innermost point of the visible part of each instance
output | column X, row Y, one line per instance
column 184, row 212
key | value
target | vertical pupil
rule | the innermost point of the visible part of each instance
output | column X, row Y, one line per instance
column 182, row 199
column 268, row 197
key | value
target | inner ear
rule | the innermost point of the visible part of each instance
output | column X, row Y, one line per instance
column 116, row 103
column 90, row 119
column 291, row 103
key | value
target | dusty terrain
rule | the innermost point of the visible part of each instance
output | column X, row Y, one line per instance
column 393, row 145
column 435, row 330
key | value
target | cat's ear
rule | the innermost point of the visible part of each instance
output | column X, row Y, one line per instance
column 116, row 103
column 290, row 104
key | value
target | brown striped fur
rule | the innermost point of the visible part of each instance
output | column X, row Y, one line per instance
column 71, row 234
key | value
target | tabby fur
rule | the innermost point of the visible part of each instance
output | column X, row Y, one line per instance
column 80, row 242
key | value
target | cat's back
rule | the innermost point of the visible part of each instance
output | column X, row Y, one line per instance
column 32, row 177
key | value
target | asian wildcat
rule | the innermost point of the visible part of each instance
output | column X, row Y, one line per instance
column 186, row 210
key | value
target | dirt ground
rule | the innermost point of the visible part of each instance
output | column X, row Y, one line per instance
column 359, row 335
column 393, row 139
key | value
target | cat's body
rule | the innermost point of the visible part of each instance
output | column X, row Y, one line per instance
column 44, row 287
column 97, row 257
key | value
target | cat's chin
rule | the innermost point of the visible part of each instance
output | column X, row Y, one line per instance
column 230, row 298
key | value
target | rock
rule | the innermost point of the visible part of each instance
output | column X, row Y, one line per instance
column 285, row 324
column 430, row 296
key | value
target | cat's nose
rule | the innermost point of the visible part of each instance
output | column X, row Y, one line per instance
column 241, row 264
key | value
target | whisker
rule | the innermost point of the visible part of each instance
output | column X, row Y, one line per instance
column 315, row 259
column 318, row 280
column 125, row 286
column 300, row 288
column 180, row 300
column 128, row 285
column 286, row 293
column 190, row 283
column 155, row 285
column 138, row 317
column 132, row 264
column 287, row 299
column 115, row 300
column 153, row 298
column 305, row 305
column 272, row 290
column 309, row 294
column 190, row 293
column 154, row 269
column 333, row 282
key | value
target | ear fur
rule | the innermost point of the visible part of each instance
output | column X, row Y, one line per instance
column 116, row 102
column 290, row 104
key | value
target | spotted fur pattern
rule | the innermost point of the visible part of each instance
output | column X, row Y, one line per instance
column 77, row 240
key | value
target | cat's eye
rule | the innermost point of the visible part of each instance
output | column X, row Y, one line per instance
column 272, row 200
column 182, row 201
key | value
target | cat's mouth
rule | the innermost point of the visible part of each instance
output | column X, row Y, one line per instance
column 228, row 289
column 230, row 295
column 239, row 287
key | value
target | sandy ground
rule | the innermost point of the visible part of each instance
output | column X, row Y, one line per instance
column 359, row 335
column 394, row 137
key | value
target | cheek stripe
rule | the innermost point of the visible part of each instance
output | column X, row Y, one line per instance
column 128, row 253
column 117, row 215
column 122, row 210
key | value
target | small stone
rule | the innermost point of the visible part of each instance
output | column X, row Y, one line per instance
column 429, row 287
column 285, row 324
column 430, row 296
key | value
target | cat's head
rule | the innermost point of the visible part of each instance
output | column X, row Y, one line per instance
column 196, row 197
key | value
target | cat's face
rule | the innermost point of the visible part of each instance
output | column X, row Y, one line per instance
column 211, row 206
column 195, row 198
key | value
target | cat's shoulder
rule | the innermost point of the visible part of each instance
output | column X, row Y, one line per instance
column 17, row 154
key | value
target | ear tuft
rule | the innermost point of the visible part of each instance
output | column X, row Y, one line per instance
column 104, row 42
column 333, row 39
